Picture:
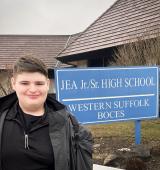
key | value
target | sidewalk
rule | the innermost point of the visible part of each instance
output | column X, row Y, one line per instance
column 100, row 167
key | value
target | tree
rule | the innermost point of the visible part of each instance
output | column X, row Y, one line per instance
column 5, row 86
column 145, row 51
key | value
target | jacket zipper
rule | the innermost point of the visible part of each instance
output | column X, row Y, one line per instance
column 26, row 145
column 26, row 139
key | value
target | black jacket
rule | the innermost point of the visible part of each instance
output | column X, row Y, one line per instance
column 59, row 129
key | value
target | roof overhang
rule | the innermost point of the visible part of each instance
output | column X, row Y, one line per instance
column 87, row 55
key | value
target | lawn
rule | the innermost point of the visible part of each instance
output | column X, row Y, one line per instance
column 150, row 129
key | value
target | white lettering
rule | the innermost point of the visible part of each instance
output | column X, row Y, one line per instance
column 139, row 82
column 110, row 114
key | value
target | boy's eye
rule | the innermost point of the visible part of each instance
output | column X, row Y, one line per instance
column 24, row 83
column 36, row 83
column 39, row 83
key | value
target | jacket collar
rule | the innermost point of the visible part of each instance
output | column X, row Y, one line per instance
column 12, row 113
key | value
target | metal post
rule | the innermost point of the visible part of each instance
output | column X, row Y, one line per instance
column 137, row 132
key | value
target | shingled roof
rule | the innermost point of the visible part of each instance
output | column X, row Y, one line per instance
column 123, row 22
column 46, row 47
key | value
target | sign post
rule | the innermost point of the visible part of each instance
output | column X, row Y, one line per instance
column 137, row 132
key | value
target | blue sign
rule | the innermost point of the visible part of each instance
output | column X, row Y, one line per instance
column 99, row 95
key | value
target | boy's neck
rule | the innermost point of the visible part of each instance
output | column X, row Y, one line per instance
column 33, row 111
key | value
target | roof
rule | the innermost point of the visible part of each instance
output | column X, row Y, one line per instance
column 46, row 47
column 123, row 22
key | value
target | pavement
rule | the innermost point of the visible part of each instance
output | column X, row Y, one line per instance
column 100, row 167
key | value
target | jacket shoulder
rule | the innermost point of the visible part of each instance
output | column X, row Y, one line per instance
column 7, row 101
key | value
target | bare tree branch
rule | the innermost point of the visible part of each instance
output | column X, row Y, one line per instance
column 142, row 52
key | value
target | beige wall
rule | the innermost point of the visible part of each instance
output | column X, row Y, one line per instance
column 52, row 86
column 80, row 63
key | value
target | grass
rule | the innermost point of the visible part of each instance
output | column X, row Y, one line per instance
column 150, row 129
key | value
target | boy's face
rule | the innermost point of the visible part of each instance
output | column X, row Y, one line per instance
column 31, row 89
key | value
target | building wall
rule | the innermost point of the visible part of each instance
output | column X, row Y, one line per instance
column 80, row 63
column 52, row 86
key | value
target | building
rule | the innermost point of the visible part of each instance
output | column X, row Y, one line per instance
column 124, row 22
column 46, row 47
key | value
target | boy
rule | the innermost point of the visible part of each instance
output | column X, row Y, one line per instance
column 35, row 129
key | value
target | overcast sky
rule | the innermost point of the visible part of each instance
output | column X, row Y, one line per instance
column 49, row 16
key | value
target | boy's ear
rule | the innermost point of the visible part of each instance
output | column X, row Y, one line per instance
column 13, row 83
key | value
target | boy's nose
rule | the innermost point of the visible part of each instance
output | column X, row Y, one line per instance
column 32, row 88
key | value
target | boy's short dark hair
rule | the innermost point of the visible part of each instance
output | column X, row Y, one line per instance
column 29, row 64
